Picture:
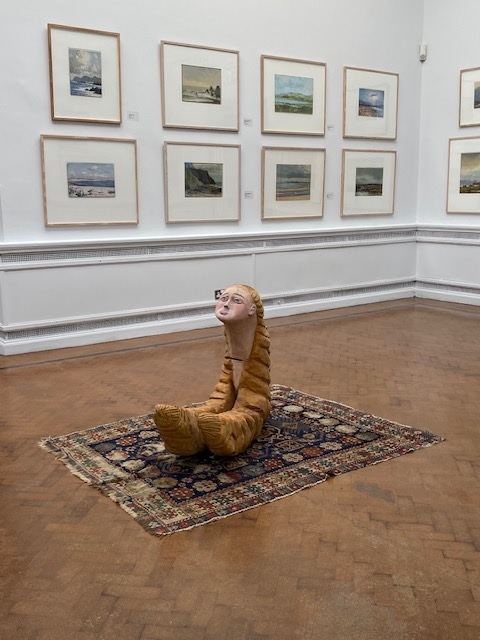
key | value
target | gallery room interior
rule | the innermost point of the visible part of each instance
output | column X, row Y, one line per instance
column 326, row 155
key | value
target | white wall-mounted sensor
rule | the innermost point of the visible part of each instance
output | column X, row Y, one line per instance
column 422, row 53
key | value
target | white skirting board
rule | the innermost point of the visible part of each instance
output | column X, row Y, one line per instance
column 54, row 296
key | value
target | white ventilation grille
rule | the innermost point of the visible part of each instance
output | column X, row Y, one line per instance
column 182, row 314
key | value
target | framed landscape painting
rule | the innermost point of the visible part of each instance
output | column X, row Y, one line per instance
column 370, row 104
column 463, row 194
column 368, row 182
column 199, row 87
column 469, row 112
column 202, row 182
column 85, row 84
column 293, row 96
column 89, row 181
column 292, row 182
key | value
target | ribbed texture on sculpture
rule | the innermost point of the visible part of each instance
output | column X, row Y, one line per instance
column 240, row 403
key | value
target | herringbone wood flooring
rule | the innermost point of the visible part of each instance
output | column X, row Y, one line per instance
column 387, row 552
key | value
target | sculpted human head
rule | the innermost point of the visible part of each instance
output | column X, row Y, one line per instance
column 235, row 304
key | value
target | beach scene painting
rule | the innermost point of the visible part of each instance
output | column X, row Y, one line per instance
column 470, row 173
column 293, row 94
column 91, row 179
column 201, row 84
column 203, row 180
column 85, row 68
column 371, row 103
column 369, row 181
column 293, row 181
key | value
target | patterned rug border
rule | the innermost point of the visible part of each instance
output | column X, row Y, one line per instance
column 329, row 466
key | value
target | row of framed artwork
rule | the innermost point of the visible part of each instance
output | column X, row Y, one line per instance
column 200, row 88
column 93, row 181
column 463, row 183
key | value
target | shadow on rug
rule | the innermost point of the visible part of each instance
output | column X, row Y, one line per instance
column 305, row 440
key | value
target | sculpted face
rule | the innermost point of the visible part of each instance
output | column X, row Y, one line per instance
column 234, row 304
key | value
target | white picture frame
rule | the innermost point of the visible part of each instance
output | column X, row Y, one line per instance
column 202, row 182
column 283, row 82
column 463, row 191
column 293, row 182
column 469, row 103
column 370, row 104
column 85, row 78
column 199, row 87
column 368, row 182
column 89, row 181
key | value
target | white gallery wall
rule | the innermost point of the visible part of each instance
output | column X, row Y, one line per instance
column 74, row 285
column 448, row 258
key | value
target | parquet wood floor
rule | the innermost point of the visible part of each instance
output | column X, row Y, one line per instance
column 387, row 552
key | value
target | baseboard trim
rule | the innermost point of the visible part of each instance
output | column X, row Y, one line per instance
column 16, row 340
column 72, row 332
column 25, row 339
column 448, row 292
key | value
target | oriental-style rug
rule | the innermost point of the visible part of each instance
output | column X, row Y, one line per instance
column 305, row 440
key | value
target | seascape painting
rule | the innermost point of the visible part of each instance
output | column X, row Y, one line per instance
column 293, row 94
column 85, row 69
column 369, row 181
column 470, row 173
column 293, row 181
column 371, row 103
column 91, row 179
column 201, row 84
column 476, row 96
column 203, row 180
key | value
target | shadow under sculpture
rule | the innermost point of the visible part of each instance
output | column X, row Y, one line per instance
column 228, row 422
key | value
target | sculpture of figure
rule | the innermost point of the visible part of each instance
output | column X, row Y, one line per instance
column 238, row 407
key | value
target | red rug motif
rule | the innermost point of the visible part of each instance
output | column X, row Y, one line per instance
column 305, row 440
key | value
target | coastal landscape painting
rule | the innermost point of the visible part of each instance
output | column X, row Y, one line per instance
column 199, row 87
column 463, row 194
column 203, row 180
column 293, row 181
column 293, row 94
column 85, row 69
column 91, row 179
column 371, row 103
column 369, row 181
column 469, row 173
column 469, row 103
column 201, row 84
column 476, row 96
column 85, row 78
